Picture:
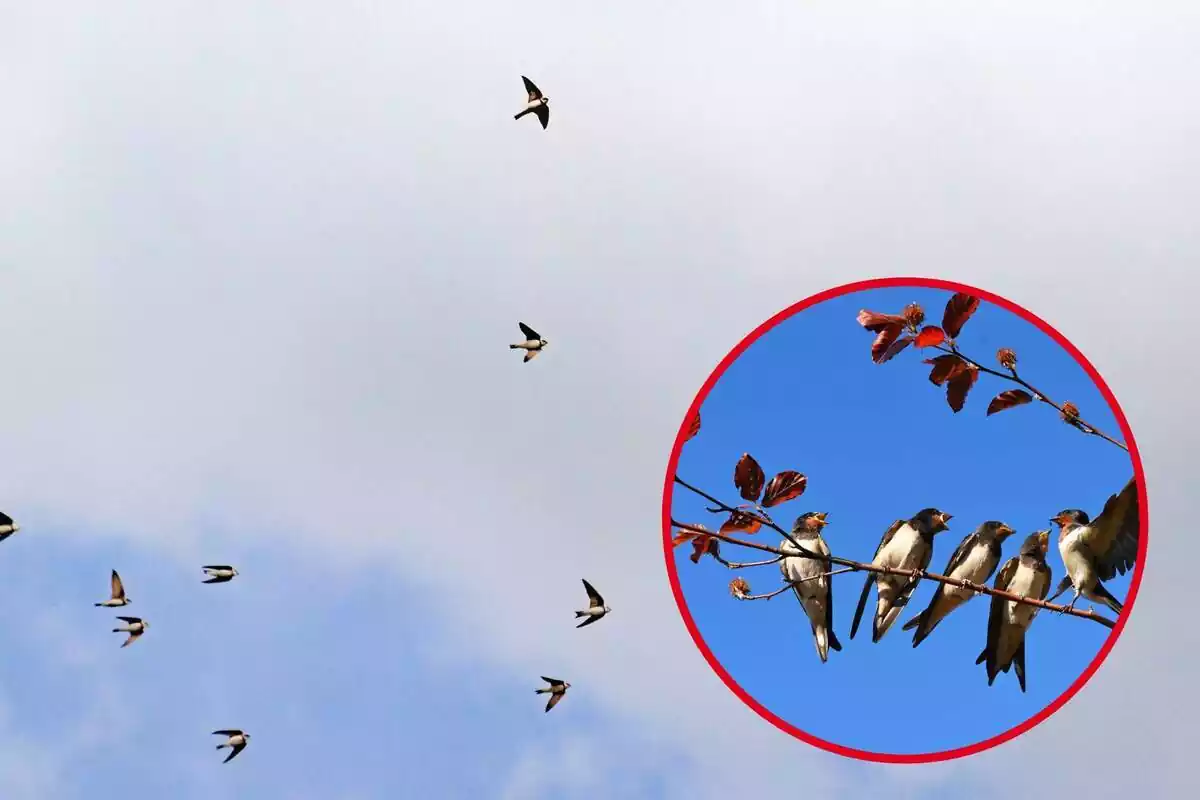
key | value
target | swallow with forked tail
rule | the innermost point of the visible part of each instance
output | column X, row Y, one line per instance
column 556, row 691
column 1027, row 575
column 532, row 345
column 596, row 608
column 118, row 593
column 219, row 573
column 974, row 561
column 810, row 579
column 1098, row 550
column 907, row 544
column 236, row 743
column 537, row 104
column 134, row 626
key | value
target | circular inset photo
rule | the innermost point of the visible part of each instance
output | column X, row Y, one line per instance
column 946, row 467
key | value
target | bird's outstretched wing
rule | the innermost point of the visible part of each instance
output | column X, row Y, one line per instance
column 553, row 681
column 554, row 698
column 534, row 92
column 216, row 566
column 237, row 748
column 596, row 600
column 229, row 732
column 1113, row 536
column 530, row 333
column 5, row 519
column 543, row 115
column 118, row 588
column 130, row 620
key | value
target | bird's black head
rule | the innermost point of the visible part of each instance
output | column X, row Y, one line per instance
column 810, row 521
column 997, row 529
column 930, row 520
column 1069, row 515
column 1035, row 544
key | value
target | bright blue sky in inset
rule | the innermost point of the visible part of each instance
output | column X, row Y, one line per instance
column 878, row 443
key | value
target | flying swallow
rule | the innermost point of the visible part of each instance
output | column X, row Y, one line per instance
column 907, row 544
column 812, row 586
column 135, row 627
column 556, row 691
column 118, row 594
column 1028, row 575
column 538, row 104
column 533, row 343
column 1098, row 550
column 237, row 742
column 219, row 573
column 7, row 526
column 596, row 608
column 974, row 561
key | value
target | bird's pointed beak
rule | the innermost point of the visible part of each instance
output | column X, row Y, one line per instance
column 1044, row 540
column 945, row 518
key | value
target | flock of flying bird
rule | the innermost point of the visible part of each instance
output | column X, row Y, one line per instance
column 1092, row 551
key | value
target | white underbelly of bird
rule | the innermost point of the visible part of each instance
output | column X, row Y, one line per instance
column 1079, row 567
column 902, row 552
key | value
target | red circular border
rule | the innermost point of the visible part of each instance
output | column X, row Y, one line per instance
column 868, row 755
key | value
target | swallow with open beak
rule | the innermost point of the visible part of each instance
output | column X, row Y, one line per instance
column 134, row 626
column 907, row 544
column 7, row 526
column 532, row 345
column 596, row 608
column 537, row 104
column 974, row 561
column 1028, row 575
column 1098, row 550
column 556, row 691
column 810, row 579
column 236, row 742
column 118, row 593
column 218, row 573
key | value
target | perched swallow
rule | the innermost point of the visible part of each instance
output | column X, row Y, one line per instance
column 1028, row 575
column 538, row 104
column 7, row 526
column 907, row 544
column 135, row 628
column 596, row 608
column 533, row 343
column 1100, row 549
column 556, row 691
column 219, row 573
column 237, row 742
column 974, row 561
column 118, row 594
column 812, row 586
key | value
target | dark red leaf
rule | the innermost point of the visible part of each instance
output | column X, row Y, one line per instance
column 702, row 546
column 958, row 310
column 682, row 536
column 877, row 322
column 748, row 477
column 895, row 348
column 944, row 368
column 787, row 485
column 694, row 426
column 884, row 340
column 1010, row 399
column 958, row 386
column 930, row 336
column 740, row 522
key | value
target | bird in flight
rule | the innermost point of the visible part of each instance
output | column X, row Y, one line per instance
column 533, row 343
column 809, row 582
column 1095, row 550
column 596, row 608
column 7, row 526
column 134, row 626
column 118, row 594
column 907, row 544
column 556, row 691
column 538, row 104
column 1027, row 575
column 237, row 741
column 974, row 561
column 219, row 573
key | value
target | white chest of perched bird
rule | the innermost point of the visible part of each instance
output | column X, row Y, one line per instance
column 1076, row 558
column 810, row 580
column 1026, row 582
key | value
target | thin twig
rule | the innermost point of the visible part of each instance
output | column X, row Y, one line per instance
column 745, row 564
column 915, row 574
column 791, row 585
column 1075, row 421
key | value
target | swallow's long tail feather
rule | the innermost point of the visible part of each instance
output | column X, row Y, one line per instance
column 222, row 745
column 540, row 691
column 97, row 605
column 862, row 604
column 523, row 113
column 579, row 614
column 117, row 630
column 514, row 347
column 1019, row 663
column 982, row 657
column 1106, row 597
column 915, row 621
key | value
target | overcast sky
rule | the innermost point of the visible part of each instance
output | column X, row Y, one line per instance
column 259, row 266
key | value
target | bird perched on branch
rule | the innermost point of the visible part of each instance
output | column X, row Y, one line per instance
column 1028, row 575
column 236, row 743
column 7, row 526
column 219, row 573
column 810, row 580
column 134, row 626
column 1098, row 550
column 538, row 104
column 974, row 561
column 533, row 343
column 556, row 691
column 118, row 593
column 596, row 608
column 907, row 544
